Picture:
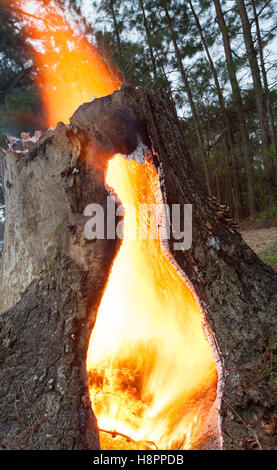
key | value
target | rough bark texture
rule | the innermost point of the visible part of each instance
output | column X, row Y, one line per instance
column 52, row 279
column 236, row 290
column 44, row 336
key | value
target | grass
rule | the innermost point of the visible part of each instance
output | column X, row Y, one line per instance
column 269, row 255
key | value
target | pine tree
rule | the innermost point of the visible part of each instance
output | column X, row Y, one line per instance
column 260, row 47
column 221, row 101
column 165, row 6
column 238, row 103
column 18, row 93
column 259, row 94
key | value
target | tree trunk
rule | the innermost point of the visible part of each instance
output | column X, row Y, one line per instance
column 266, row 88
column 116, row 29
column 190, row 100
column 148, row 39
column 221, row 103
column 259, row 94
column 237, row 292
column 238, row 104
column 55, row 278
column 51, row 284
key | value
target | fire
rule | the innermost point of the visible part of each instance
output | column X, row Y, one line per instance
column 152, row 375
column 70, row 70
column 152, row 371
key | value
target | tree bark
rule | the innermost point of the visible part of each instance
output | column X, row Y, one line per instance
column 53, row 290
column 236, row 290
column 52, row 280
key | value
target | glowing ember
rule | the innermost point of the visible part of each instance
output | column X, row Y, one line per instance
column 151, row 372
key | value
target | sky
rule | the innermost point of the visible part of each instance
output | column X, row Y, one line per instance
column 90, row 12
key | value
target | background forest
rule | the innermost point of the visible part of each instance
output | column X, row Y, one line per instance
column 217, row 60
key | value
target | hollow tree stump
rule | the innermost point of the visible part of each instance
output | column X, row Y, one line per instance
column 52, row 279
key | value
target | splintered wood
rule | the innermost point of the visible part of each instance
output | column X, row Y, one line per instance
column 112, row 440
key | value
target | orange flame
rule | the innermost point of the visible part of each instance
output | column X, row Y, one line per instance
column 157, row 372
column 70, row 70
column 152, row 374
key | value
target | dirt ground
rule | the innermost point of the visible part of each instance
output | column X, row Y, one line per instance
column 260, row 239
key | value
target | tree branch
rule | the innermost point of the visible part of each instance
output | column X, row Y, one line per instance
column 128, row 438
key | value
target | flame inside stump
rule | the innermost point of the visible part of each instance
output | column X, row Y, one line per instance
column 151, row 372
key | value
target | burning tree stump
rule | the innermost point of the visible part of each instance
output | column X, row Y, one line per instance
column 51, row 284
column 52, row 279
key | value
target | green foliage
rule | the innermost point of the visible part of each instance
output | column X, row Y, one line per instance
column 269, row 255
column 2, row 141
column 18, row 113
column 20, row 98
column 270, row 213
column 269, row 367
column 20, row 106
